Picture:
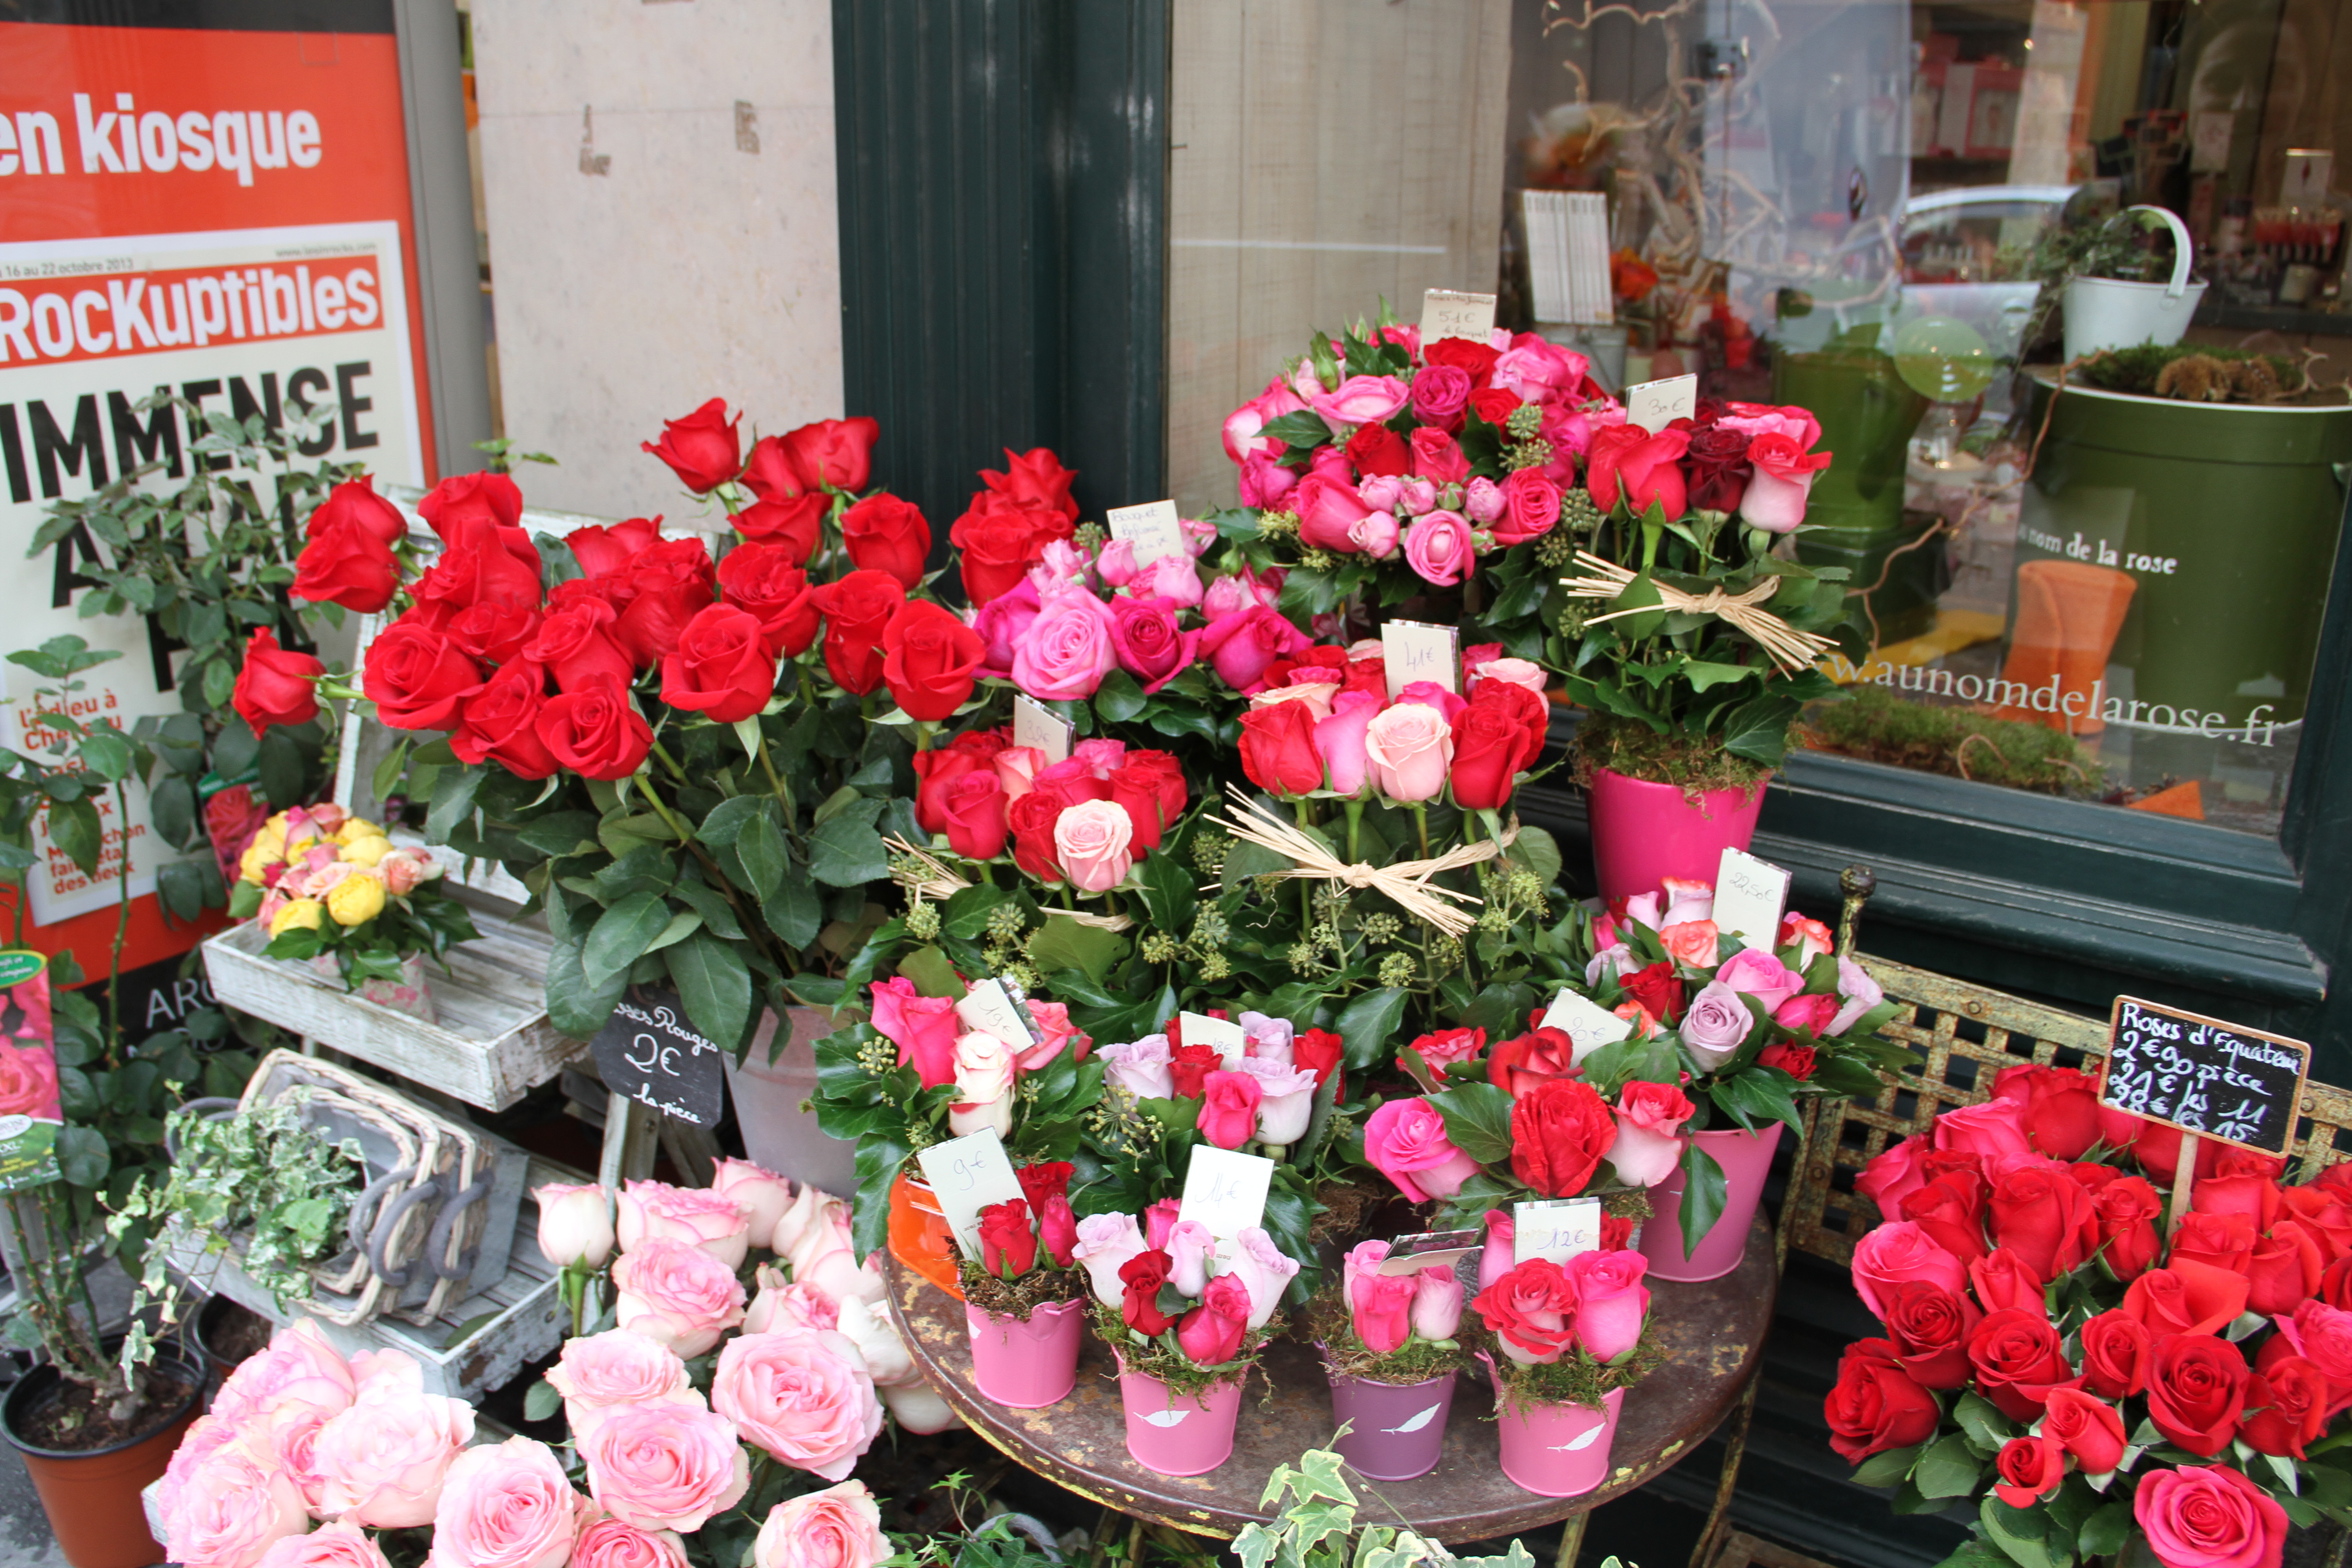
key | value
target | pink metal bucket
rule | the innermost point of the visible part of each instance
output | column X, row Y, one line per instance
column 1557, row 1450
column 1179, row 1434
column 1395, row 1429
column 1644, row 833
column 1745, row 1159
column 1026, row 1366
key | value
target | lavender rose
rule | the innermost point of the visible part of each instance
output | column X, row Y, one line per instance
column 1716, row 1024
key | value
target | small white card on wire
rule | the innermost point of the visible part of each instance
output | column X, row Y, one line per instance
column 968, row 1175
column 991, row 1009
column 1654, row 404
column 1749, row 895
column 1153, row 529
column 1586, row 1022
column 1557, row 1231
column 1449, row 314
column 1221, row 1034
column 1035, row 724
column 1225, row 1190
column 1410, row 652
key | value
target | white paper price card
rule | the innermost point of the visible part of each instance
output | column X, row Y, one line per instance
column 991, row 1009
column 1412, row 651
column 968, row 1175
column 1221, row 1034
column 1226, row 1191
column 1430, row 1249
column 1587, row 1023
column 1749, row 895
column 1035, row 724
column 1557, row 1231
column 1444, row 313
column 1654, row 404
column 1153, row 529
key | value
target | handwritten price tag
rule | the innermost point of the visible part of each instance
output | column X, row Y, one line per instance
column 989, row 1009
column 968, row 1175
column 2221, row 1080
column 1410, row 652
column 1222, row 1035
column 1035, row 724
column 649, row 1051
column 1226, row 1191
column 1587, row 1021
column 1557, row 1231
column 1153, row 529
column 1749, row 895
column 1444, row 313
column 1654, row 404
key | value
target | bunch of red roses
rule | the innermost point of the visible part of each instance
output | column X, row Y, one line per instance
column 1754, row 459
column 1086, row 820
column 1034, row 1230
column 2048, row 1342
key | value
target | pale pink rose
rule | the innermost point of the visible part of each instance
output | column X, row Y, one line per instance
column 380, row 1372
column 1437, row 546
column 699, row 1217
column 610, row 1542
column 1065, row 652
column 575, row 1225
column 1055, row 1035
column 1363, row 1255
column 1416, row 495
column 339, row 1546
column 985, row 1074
column 1016, row 768
column 821, row 1257
column 1339, row 740
column 404, row 869
column 1374, row 534
column 206, row 1436
column 840, row 1527
column 619, row 1366
column 1243, row 426
column 811, row 1207
column 291, row 1435
column 1776, row 502
column 1246, row 590
column 1091, row 840
column 868, row 1326
column 1649, row 1144
column 1512, row 671
column 1116, row 564
column 804, row 1396
column 508, row 1505
column 778, row 1305
column 384, row 1457
column 1140, row 1067
column 1611, row 1302
column 917, row 1407
column 1858, row 993
column 231, row 1509
column 1409, row 746
column 1106, row 1241
column 298, row 1366
column 1436, row 1304
column 1189, row 1248
column 1263, row 1270
column 666, row 1467
column 1315, row 696
column 1539, row 372
column 1171, row 577
column 1361, row 400
column 1483, row 502
column 1380, row 492
column 763, row 1194
column 1287, row 1097
column 676, row 1295
column 1752, row 419
column 1100, row 756
column 1686, row 898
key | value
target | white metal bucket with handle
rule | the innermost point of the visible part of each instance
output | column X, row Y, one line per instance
column 2109, row 313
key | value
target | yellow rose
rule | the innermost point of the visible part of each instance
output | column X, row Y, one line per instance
column 356, row 900
column 271, row 842
column 307, row 913
column 255, row 861
column 355, row 828
column 367, row 849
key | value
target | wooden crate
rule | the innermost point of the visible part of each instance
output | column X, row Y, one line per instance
column 493, row 1041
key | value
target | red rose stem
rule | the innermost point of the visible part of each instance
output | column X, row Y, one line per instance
column 2182, row 1176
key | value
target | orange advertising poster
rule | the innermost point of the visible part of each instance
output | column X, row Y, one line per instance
column 212, row 200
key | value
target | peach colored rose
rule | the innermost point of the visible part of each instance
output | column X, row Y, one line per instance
column 337, row 1546
column 1516, row 672
column 699, row 1217
column 985, row 1070
column 231, row 1510
column 676, row 1295
column 296, row 1367
column 782, row 1304
column 1691, row 941
column 1091, row 840
column 507, row 1505
column 763, row 1194
column 611, row 1543
column 1016, row 767
column 1409, row 746
column 597, row 1372
column 384, row 1457
column 804, row 1395
column 840, row 1527
column 666, row 1467
column 575, row 1225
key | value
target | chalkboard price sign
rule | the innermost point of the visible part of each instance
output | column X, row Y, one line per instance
column 2219, row 1081
column 648, row 1051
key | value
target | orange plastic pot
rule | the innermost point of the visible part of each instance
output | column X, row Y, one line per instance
column 919, row 1237
column 92, row 1496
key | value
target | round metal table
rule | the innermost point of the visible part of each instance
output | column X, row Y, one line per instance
column 1712, row 1333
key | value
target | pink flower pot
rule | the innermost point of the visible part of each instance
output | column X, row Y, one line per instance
column 1026, row 1366
column 1644, row 833
column 1557, row 1450
column 1745, row 1159
column 1179, row 1434
column 1395, row 1429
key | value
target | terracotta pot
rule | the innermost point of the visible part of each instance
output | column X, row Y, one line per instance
column 1644, row 833
column 92, row 1496
column 919, row 1237
column 1747, row 1161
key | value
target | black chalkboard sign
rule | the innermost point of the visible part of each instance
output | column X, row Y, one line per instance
column 650, row 1052
column 2219, row 1080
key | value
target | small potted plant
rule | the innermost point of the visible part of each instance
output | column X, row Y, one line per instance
column 1023, row 1299
column 2119, row 289
column 1391, row 1345
column 1566, row 1341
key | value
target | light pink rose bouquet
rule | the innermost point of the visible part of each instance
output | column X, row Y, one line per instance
column 665, row 1466
column 507, row 1506
column 381, row 1460
column 678, row 1295
column 699, row 1216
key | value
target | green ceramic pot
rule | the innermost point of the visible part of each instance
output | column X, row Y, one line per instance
column 1868, row 414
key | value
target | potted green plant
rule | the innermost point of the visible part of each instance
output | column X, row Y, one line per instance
column 2118, row 290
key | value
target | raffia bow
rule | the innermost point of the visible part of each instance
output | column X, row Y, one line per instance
column 1406, row 884
column 1790, row 649
column 928, row 878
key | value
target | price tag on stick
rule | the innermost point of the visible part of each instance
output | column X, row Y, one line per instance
column 1221, row 1034
column 1654, row 404
column 1749, row 895
column 2208, row 1078
column 988, row 1008
column 968, row 1175
column 1557, row 1230
column 1446, row 313
column 1153, row 530
column 1035, row 724
column 1410, row 652
column 1225, row 1190
column 649, row 1051
column 1585, row 1022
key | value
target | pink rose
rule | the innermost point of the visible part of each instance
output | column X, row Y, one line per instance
column 1649, row 1132
column 1328, row 511
column 1405, row 1140
column 1782, row 480
column 699, row 1216
column 840, row 1527
column 1091, row 840
column 296, row 1367
column 1758, row 973
column 1859, row 994
column 1242, row 644
column 1017, row 768
column 1531, row 505
column 1264, row 1272
column 2209, row 1516
column 1056, row 1034
column 1115, row 564
column 1002, row 623
column 597, row 1372
column 924, row 1028
column 1765, row 419
column 291, row 1434
column 820, row 1256
column 1440, row 394
column 507, row 1506
column 1409, row 746
column 575, row 1225
column 1417, row 495
column 1896, row 1175
column 666, row 1467
column 1510, row 671
column 1244, row 590
column 381, row 1460
column 1159, row 1222
column 804, row 1396
column 339, row 1546
column 1189, row 1248
column 1994, row 1131
column 1148, row 644
column 1374, row 534
column 1242, row 426
column 231, row 1509
column 1361, row 400
column 778, row 1304
column 1339, row 740
column 676, row 1295
column 1140, row 1067
column 1539, row 371
column 1432, row 695
column 1611, row 1302
column 762, row 1192
column 1437, row 546
column 611, row 1543
column 1172, row 578
column 1497, row 1257
column 1266, row 482
column 1379, row 1308
column 1812, row 1012
column 1229, row 1102
column 1065, row 652
column 1897, row 1253
column 1483, row 500
column 1436, row 1304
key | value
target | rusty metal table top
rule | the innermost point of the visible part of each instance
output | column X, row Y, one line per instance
column 1712, row 1332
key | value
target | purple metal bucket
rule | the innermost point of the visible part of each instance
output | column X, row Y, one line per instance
column 1396, row 1429
column 1026, row 1366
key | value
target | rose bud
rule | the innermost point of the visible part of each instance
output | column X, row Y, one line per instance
column 575, row 1225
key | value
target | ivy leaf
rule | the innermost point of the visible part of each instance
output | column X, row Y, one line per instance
column 1367, row 1022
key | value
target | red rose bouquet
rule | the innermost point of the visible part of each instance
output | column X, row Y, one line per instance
column 2055, row 1350
column 1025, row 1247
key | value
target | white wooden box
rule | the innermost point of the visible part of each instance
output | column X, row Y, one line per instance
column 493, row 1041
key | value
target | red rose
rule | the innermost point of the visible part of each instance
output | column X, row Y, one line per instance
column 462, row 503
column 1057, row 1230
column 276, row 687
column 577, row 647
column 596, row 731
column 702, row 450
column 1008, row 1246
column 478, row 574
column 2286, row 1407
column 1149, row 787
column 2046, row 1218
column 721, row 668
column 1320, row 1052
column 356, row 501
column 768, row 470
column 836, row 452
column 1437, row 456
column 1560, row 1132
column 1031, row 819
column 2186, row 1296
column 1045, row 1179
column 883, row 533
column 929, row 658
column 1656, row 989
column 999, row 539
column 764, row 579
column 1377, row 451
column 346, row 564
column 934, row 771
column 1034, row 478
column 2223, row 1240
column 2195, row 1390
column 2336, row 1285
column 2061, row 1108
column 2089, row 1429
column 2115, row 1351
column 857, row 610
column 493, row 634
column 2001, row 1279
column 1530, row 1305
column 2126, row 1210
column 2254, row 1196
column 1929, row 1327
column 972, row 815
column 499, row 723
column 1188, row 1068
column 2025, row 1468
column 1475, row 359
column 1229, row 1102
column 1279, row 750
column 1494, row 405
column 2323, row 1215
column 1530, row 507
column 1520, row 1067
column 1875, row 1405
column 2282, row 1272
column 1716, row 467
column 1143, row 1275
column 600, row 550
column 1797, row 1061
column 417, row 677
column 2018, row 1362
column 1627, row 461
column 668, row 585
column 1496, row 738
column 793, row 524
column 1951, row 1210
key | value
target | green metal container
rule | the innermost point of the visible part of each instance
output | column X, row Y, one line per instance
column 1868, row 414
column 2226, row 519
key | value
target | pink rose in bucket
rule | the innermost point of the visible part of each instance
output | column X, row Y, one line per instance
column 1649, row 1132
column 1405, row 1140
column 507, row 1506
column 1611, row 1301
column 803, row 1395
column 840, row 1527
column 2209, row 1516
